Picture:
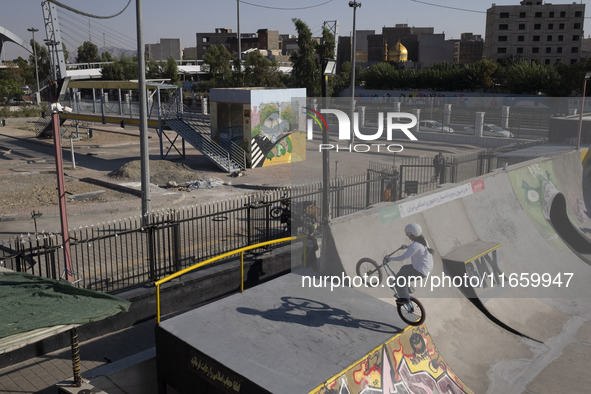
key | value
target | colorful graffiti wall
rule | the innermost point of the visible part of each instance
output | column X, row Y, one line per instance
column 408, row 363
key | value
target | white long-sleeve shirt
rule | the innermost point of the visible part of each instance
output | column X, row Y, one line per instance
column 420, row 258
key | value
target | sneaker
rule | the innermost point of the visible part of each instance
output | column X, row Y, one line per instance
column 400, row 301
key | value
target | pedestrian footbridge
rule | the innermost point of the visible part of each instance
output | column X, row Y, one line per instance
column 117, row 102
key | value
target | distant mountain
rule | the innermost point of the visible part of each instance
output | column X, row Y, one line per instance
column 114, row 51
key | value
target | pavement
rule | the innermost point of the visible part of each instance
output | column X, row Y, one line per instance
column 124, row 349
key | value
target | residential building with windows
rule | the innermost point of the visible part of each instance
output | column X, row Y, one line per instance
column 468, row 49
column 534, row 30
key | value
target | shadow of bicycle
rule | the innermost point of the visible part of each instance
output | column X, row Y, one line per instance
column 312, row 313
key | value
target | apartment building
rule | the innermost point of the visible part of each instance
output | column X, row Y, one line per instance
column 469, row 49
column 534, row 30
column 264, row 39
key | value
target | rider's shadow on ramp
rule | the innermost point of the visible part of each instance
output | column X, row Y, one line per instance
column 311, row 313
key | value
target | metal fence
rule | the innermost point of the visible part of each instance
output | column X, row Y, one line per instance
column 121, row 254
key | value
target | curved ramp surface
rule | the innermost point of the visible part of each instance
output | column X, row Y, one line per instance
column 512, row 209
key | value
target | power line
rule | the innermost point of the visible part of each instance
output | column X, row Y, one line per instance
column 448, row 7
column 286, row 8
column 86, row 14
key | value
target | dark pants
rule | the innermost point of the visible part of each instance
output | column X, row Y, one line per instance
column 406, row 271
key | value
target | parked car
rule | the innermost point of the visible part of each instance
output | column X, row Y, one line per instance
column 19, row 100
column 491, row 130
column 433, row 125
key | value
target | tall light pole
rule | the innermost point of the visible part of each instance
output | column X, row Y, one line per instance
column 37, row 98
column 587, row 77
column 143, row 99
column 238, row 26
column 353, row 4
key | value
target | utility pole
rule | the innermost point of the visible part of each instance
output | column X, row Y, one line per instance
column 353, row 4
column 144, row 151
column 37, row 98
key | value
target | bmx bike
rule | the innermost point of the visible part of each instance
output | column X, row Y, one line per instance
column 411, row 311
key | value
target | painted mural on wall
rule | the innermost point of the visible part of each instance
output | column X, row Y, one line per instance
column 535, row 188
column 408, row 363
column 577, row 211
column 276, row 137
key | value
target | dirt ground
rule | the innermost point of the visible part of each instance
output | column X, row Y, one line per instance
column 34, row 190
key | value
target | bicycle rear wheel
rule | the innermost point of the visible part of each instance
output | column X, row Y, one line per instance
column 367, row 266
column 413, row 313
column 276, row 212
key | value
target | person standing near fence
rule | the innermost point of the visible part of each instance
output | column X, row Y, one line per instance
column 439, row 166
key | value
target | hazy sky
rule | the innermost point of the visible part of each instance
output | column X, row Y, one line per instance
column 183, row 18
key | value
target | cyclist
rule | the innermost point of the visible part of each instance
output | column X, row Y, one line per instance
column 421, row 258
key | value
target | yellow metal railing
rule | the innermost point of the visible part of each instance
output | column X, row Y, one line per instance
column 222, row 256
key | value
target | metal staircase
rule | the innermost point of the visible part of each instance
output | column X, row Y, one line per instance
column 192, row 130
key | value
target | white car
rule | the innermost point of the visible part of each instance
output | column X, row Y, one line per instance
column 491, row 130
column 433, row 125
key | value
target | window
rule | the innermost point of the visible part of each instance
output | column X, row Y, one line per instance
column 538, row 14
column 549, row 38
column 504, row 15
column 519, row 49
column 520, row 38
column 562, row 14
column 535, row 50
column 521, row 26
column 503, row 26
column 561, row 26
column 522, row 14
column 574, row 50
column 502, row 38
column 548, row 49
column 501, row 50
column 547, row 61
column 537, row 26
column 550, row 26
column 578, row 14
column 551, row 14
column 536, row 38
column 576, row 37
column 561, row 38
column 559, row 50
column 577, row 26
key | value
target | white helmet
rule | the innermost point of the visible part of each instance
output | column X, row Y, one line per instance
column 414, row 229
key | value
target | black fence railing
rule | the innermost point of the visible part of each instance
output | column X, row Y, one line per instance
column 122, row 254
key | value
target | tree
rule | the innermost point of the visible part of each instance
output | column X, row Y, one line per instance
column 43, row 64
column 218, row 60
column 106, row 57
column 305, row 67
column 171, row 70
column 87, row 53
column 259, row 71
column 124, row 69
column 524, row 77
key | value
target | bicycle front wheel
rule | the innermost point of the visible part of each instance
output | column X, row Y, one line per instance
column 413, row 313
column 367, row 266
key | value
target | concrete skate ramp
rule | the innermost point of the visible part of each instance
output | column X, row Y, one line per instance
column 278, row 337
column 407, row 363
column 496, row 211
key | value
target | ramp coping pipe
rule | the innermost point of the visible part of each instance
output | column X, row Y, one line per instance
column 211, row 260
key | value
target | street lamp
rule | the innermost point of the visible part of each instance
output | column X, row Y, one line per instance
column 37, row 98
column 587, row 77
column 353, row 4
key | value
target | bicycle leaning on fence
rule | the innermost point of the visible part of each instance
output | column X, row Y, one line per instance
column 411, row 311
